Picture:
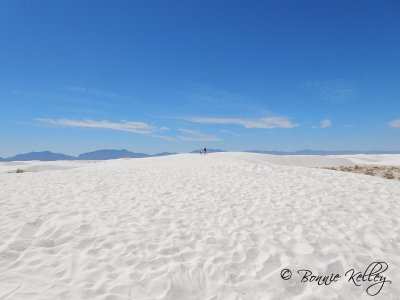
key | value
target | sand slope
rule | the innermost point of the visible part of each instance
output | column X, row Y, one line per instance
column 185, row 227
column 40, row 166
column 381, row 159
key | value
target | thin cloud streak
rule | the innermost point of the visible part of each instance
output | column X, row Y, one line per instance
column 394, row 123
column 230, row 133
column 166, row 138
column 265, row 123
column 325, row 123
column 129, row 126
column 94, row 92
column 196, row 136
column 334, row 91
column 203, row 96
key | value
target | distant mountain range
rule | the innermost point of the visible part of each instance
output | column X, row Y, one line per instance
column 95, row 155
column 123, row 153
column 110, row 154
column 44, row 155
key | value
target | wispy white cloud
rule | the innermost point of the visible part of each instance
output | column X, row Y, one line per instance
column 325, row 123
column 394, row 123
column 129, row 126
column 230, row 133
column 335, row 91
column 79, row 89
column 268, row 122
column 68, row 99
column 163, row 137
column 196, row 136
column 94, row 92
column 198, row 96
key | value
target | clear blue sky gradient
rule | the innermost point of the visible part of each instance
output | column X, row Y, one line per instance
column 155, row 76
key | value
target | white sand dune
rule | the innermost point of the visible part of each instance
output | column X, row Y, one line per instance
column 188, row 227
column 40, row 166
column 305, row 160
column 381, row 159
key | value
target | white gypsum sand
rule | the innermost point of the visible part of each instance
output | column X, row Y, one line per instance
column 39, row 166
column 185, row 227
column 378, row 159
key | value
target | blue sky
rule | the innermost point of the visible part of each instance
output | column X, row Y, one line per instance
column 155, row 76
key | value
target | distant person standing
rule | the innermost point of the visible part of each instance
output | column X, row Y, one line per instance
column 205, row 151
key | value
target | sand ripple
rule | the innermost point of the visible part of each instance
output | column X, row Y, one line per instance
column 188, row 227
